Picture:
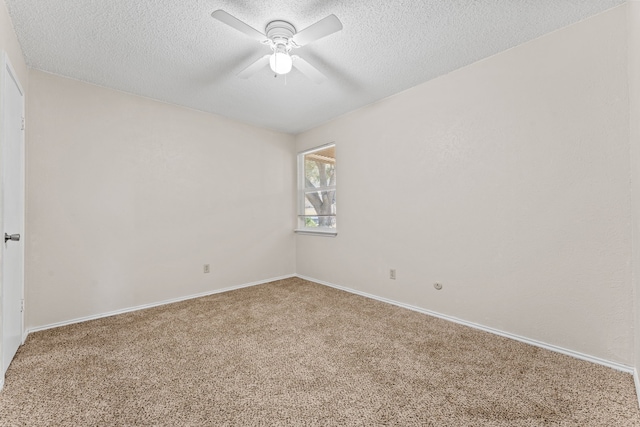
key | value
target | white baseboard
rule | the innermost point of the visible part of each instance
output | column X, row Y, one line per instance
column 636, row 381
column 1, row 383
column 150, row 305
column 577, row 355
column 614, row 365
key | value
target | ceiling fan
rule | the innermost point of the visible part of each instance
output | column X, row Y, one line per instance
column 282, row 37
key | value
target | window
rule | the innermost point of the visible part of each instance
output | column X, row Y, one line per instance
column 317, row 190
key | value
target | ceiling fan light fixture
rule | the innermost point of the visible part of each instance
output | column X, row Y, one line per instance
column 280, row 61
column 281, row 37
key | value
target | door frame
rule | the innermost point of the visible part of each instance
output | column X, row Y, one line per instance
column 7, row 74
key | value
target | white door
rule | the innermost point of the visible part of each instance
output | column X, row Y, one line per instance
column 12, row 173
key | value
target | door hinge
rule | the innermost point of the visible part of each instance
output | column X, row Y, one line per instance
column 21, row 306
column 22, row 128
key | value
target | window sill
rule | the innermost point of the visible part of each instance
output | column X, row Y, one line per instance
column 325, row 233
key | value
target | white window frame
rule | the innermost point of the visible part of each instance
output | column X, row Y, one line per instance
column 301, row 229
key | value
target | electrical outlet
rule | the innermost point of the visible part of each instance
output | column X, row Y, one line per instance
column 207, row 268
column 392, row 274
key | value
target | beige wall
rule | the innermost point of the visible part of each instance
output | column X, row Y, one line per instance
column 129, row 197
column 634, row 137
column 508, row 182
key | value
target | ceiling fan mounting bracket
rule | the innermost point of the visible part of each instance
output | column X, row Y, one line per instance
column 280, row 29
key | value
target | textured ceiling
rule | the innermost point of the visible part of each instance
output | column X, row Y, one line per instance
column 175, row 52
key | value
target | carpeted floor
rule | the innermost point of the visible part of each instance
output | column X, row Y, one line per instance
column 295, row 353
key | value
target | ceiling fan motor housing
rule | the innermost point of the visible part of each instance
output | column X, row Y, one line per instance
column 280, row 33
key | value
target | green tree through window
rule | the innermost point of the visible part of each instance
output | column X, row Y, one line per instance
column 318, row 188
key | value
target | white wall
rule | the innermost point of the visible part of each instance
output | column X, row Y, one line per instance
column 129, row 197
column 507, row 181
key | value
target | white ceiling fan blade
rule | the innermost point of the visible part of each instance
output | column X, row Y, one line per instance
column 320, row 29
column 308, row 70
column 234, row 22
column 254, row 68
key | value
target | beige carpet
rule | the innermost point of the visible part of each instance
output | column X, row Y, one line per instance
column 295, row 353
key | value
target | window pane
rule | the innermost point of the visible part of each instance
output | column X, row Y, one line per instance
column 314, row 221
column 321, row 206
column 320, row 202
column 320, row 168
column 317, row 176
